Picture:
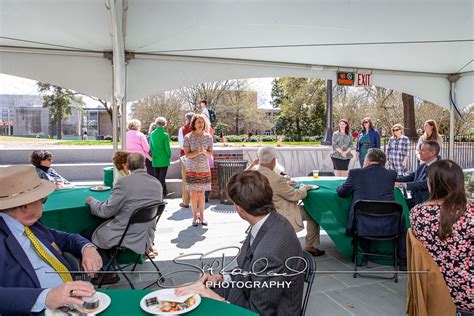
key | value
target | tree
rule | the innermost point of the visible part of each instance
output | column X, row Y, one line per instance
column 59, row 101
column 409, row 115
column 302, row 102
column 211, row 92
column 237, row 109
column 167, row 104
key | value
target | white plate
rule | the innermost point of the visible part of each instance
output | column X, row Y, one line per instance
column 104, row 302
column 96, row 188
column 166, row 294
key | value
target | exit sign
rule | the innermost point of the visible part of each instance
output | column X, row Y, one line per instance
column 363, row 80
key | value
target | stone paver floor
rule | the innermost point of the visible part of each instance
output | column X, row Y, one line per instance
column 335, row 291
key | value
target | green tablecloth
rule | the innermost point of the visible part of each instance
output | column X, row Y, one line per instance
column 67, row 210
column 331, row 212
column 127, row 302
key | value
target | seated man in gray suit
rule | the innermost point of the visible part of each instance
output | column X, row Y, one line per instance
column 130, row 193
column 270, row 250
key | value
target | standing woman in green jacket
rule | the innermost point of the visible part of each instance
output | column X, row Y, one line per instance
column 160, row 152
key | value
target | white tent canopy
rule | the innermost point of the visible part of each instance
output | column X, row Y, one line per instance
column 157, row 45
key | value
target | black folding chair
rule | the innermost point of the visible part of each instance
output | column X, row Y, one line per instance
column 143, row 215
column 308, row 278
column 387, row 215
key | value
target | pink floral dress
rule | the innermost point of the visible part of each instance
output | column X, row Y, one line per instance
column 455, row 255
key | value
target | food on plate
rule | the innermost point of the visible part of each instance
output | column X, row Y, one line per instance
column 169, row 307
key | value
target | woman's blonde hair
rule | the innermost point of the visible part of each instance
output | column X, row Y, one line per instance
column 133, row 125
column 399, row 126
column 204, row 118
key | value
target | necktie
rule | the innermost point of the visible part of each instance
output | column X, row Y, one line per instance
column 46, row 257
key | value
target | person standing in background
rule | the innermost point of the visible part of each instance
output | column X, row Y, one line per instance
column 148, row 164
column 135, row 140
column 397, row 151
column 368, row 138
column 430, row 132
column 342, row 146
column 161, row 152
column 198, row 148
column 183, row 131
column 204, row 109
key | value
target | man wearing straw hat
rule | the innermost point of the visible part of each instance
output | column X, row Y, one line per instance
column 34, row 275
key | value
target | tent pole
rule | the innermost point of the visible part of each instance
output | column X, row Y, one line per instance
column 451, row 123
column 452, row 99
column 114, row 115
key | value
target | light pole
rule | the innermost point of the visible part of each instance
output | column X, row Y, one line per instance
column 327, row 140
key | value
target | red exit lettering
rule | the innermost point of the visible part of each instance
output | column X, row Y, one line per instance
column 364, row 80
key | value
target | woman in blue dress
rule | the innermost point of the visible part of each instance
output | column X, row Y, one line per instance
column 368, row 138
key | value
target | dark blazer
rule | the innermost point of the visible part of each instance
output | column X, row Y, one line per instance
column 370, row 183
column 276, row 241
column 374, row 138
column 19, row 285
column 417, row 183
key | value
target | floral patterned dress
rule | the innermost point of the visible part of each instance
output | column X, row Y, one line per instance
column 455, row 255
column 198, row 171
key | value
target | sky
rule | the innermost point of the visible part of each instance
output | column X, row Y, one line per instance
column 17, row 85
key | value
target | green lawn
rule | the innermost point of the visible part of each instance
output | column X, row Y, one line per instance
column 23, row 139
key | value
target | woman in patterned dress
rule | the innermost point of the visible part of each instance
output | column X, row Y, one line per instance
column 397, row 151
column 198, row 148
column 445, row 226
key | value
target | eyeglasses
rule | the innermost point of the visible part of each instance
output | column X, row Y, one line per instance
column 49, row 159
column 395, row 130
column 366, row 122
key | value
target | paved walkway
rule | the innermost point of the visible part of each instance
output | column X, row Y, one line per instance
column 333, row 293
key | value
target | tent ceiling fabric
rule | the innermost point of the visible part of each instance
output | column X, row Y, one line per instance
column 182, row 42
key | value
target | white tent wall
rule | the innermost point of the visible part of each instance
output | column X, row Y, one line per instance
column 91, row 75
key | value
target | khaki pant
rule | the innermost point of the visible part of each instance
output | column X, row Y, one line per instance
column 312, row 228
column 184, row 193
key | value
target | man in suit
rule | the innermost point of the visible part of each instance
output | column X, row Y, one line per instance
column 271, row 247
column 416, row 182
column 286, row 198
column 31, row 255
column 130, row 193
column 372, row 182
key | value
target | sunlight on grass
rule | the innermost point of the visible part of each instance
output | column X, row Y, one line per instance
column 23, row 139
